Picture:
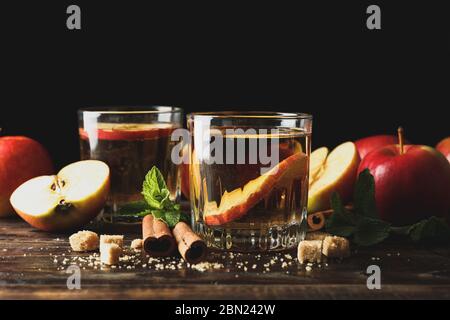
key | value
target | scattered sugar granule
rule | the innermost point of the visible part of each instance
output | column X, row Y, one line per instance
column 284, row 265
column 308, row 268
column 84, row 241
column 203, row 266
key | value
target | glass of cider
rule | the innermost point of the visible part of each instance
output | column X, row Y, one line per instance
column 249, row 179
column 131, row 140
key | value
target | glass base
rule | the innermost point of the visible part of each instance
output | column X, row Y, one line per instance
column 275, row 238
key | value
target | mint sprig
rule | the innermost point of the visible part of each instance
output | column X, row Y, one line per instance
column 135, row 208
column 364, row 227
column 155, row 191
column 156, row 201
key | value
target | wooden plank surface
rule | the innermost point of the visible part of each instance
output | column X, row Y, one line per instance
column 33, row 266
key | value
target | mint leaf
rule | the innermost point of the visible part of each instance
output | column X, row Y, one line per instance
column 164, row 198
column 133, row 207
column 153, row 200
column 364, row 195
column 365, row 228
column 158, row 214
column 154, row 180
column 185, row 217
column 339, row 228
column 157, row 197
column 341, row 221
column 371, row 231
column 432, row 230
column 136, row 208
column 172, row 218
column 154, row 189
column 336, row 204
column 366, row 231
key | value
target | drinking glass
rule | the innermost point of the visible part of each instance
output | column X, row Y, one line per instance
column 131, row 140
column 249, row 178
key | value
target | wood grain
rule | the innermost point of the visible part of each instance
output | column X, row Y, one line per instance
column 28, row 271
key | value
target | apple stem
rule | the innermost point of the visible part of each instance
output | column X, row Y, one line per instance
column 400, row 138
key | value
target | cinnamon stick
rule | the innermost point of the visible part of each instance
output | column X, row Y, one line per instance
column 316, row 221
column 158, row 240
column 191, row 247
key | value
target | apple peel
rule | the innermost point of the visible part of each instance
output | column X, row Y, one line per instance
column 236, row 203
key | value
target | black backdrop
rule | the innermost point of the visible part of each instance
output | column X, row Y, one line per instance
column 316, row 57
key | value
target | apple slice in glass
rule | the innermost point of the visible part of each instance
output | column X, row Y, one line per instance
column 66, row 201
column 235, row 204
column 128, row 131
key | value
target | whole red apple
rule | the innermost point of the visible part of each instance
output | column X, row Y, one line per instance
column 444, row 147
column 365, row 145
column 21, row 159
column 412, row 182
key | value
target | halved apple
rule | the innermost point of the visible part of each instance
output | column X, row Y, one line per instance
column 239, row 201
column 336, row 174
column 66, row 201
column 316, row 163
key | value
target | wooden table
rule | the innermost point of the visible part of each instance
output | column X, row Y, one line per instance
column 33, row 266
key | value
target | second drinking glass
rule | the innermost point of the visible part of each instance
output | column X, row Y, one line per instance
column 249, row 178
column 130, row 140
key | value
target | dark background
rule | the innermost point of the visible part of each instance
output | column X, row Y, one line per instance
column 305, row 56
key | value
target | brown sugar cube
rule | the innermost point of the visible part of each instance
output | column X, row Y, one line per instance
column 316, row 235
column 136, row 244
column 84, row 241
column 310, row 251
column 117, row 239
column 110, row 253
column 336, row 247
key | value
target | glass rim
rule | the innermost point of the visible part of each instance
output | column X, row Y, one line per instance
column 250, row 114
column 124, row 110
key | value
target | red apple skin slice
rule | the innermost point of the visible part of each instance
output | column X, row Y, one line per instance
column 293, row 166
column 129, row 135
